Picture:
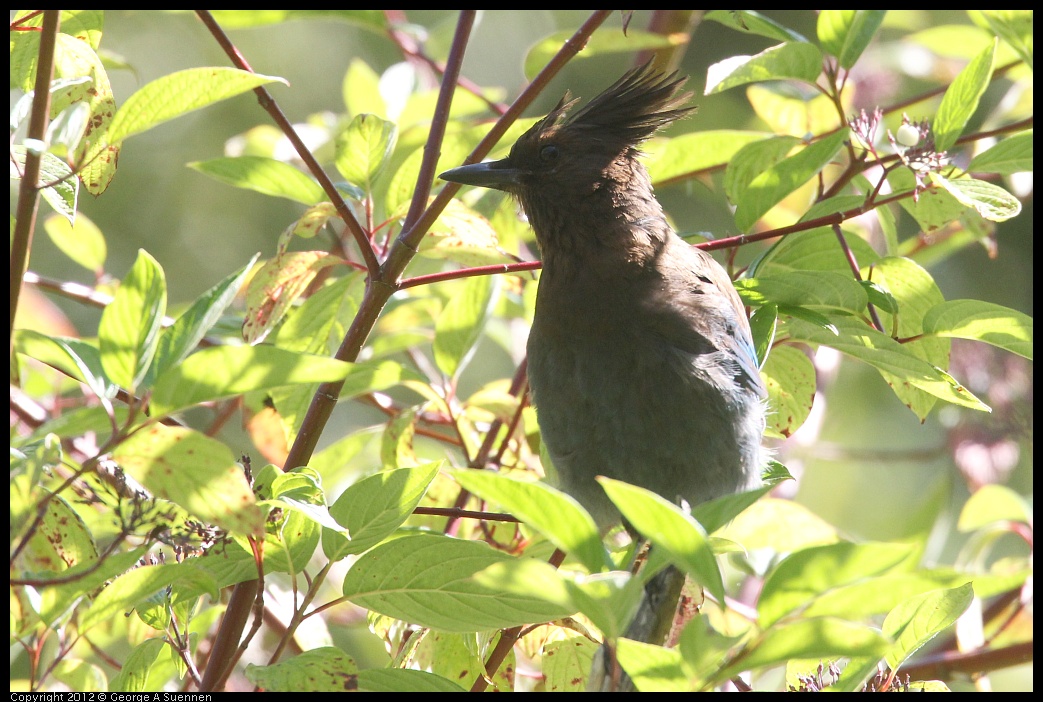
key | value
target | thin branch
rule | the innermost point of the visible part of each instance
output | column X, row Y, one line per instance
column 468, row 272
column 272, row 108
column 325, row 399
column 28, row 190
column 408, row 45
column 433, row 146
column 409, row 239
column 849, row 256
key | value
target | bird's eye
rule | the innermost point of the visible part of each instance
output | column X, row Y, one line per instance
column 549, row 154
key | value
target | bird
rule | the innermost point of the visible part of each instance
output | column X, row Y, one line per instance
column 641, row 362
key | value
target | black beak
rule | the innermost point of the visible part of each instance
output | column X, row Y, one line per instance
column 500, row 175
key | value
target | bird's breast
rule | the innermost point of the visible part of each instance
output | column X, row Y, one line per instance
column 614, row 401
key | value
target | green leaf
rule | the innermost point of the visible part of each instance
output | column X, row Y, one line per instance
column 847, row 33
column 214, row 373
column 128, row 334
column 753, row 22
column 753, row 159
column 1012, row 26
column 363, row 149
column 652, row 668
column 912, row 289
column 796, row 110
column 932, row 210
column 318, row 323
column 886, row 218
column 993, row 504
column 763, row 324
column 812, row 289
column 74, row 357
column 664, row 524
column 880, row 594
column 263, row 175
column 194, row 471
column 770, row 187
column 404, row 680
column 461, row 657
column 961, row 99
column 982, row 321
column 1012, row 155
column 81, row 241
column 135, row 669
column 824, row 637
column 528, row 577
column 54, row 601
column 402, row 185
column 181, row 339
column 791, row 60
column 316, row 513
column 566, row 663
column 833, row 205
column 790, row 376
column 952, row 41
column 63, row 188
column 757, row 527
column 716, row 513
column 396, row 446
column 552, row 513
column 427, row 580
column 460, row 234
column 84, row 677
column 919, row 619
column 808, row 574
column 862, row 343
column 59, row 541
column 703, row 650
column 85, row 25
column 609, row 600
column 374, row 507
column 135, row 587
column 689, row 153
column 990, row 201
column 290, row 542
column 336, row 461
column 75, row 58
column 880, row 297
column 178, row 93
column 276, row 286
column 373, row 376
column 79, row 421
column 325, row 669
column 462, row 321
column 361, row 90
column 817, row 319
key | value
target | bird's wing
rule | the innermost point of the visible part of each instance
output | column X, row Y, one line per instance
column 695, row 309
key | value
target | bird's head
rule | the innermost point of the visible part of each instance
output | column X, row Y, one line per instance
column 569, row 154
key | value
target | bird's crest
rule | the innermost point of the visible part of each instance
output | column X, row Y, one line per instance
column 631, row 110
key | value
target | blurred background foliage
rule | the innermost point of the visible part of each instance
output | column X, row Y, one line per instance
column 865, row 464
column 199, row 230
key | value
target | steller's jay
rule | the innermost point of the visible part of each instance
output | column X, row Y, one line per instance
column 641, row 362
